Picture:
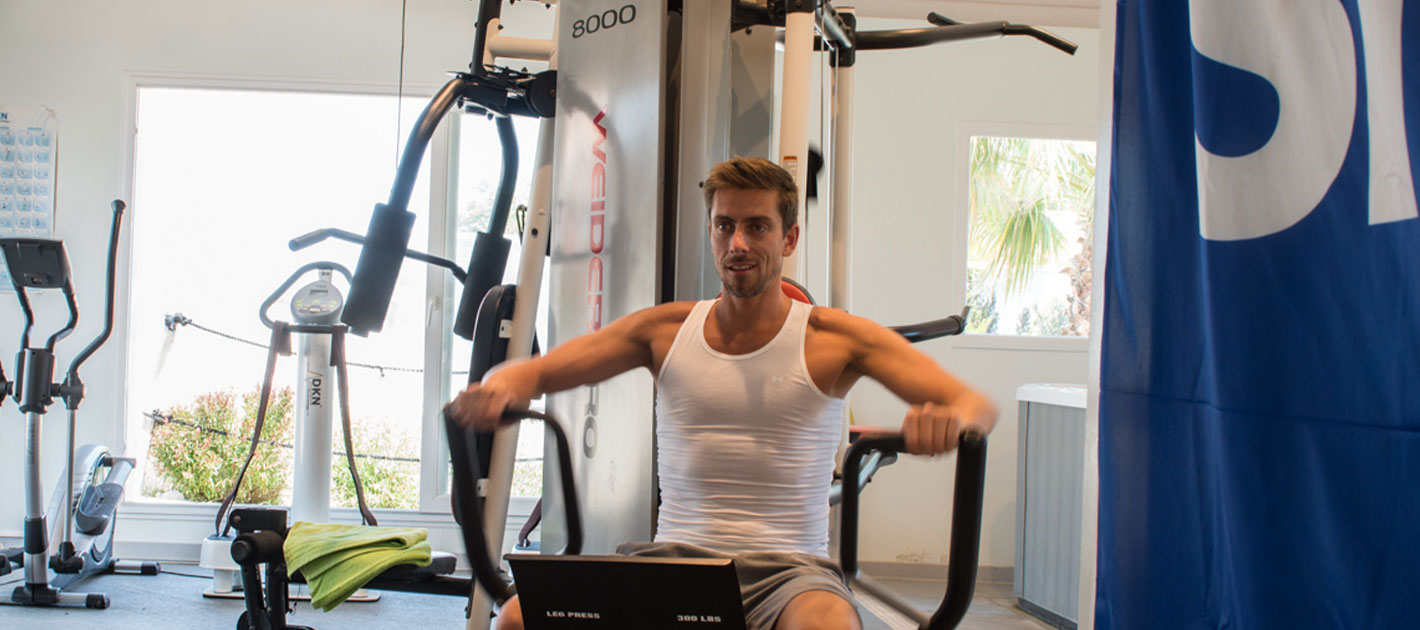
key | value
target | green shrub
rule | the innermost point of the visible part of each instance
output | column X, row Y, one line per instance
column 200, row 449
column 527, row 478
column 390, row 480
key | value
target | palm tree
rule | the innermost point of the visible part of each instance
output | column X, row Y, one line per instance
column 1017, row 184
column 1075, row 175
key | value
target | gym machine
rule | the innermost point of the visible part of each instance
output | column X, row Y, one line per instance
column 646, row 101
column 92, row 486
column 320, row 361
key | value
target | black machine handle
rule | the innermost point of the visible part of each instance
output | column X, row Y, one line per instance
column 387, row 238
column 945, row 327
column 32, row 387
column 495, row 90
column 1015, row 29
column 967, row 500
column 72, row 389
column 45, row 250
column 386, row 241
column 1044, row 36
column 315, row 236
column 73, row 373
column 464, row 460
column 949, row 30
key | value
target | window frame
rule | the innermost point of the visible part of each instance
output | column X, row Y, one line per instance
column 441, row 294
column 961, row 219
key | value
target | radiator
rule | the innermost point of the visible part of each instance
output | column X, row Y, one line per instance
column 1048, row 490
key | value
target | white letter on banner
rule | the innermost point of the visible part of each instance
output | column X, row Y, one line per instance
column 1392, row 187
column 1305, row 50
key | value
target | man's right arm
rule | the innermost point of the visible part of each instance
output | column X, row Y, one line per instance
column 623, row 345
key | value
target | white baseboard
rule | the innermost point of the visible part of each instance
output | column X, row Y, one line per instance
column 923, row 571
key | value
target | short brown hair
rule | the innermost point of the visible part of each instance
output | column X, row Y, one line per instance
column 752, row 173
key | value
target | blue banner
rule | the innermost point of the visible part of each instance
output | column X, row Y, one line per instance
column 1260, row 387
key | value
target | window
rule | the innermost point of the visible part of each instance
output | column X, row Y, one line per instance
column 1030, row 209
column 224, row 178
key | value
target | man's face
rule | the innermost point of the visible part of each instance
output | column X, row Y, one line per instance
column 749, row 241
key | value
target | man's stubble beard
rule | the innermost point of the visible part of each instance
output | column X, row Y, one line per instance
column 754, row 290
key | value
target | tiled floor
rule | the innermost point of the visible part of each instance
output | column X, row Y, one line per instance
column 173, row 601
column 992, row 608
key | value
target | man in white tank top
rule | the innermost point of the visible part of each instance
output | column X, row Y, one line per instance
column 750, row 390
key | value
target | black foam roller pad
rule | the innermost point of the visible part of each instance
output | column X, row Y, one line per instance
column 485, row 271
column 378, row 268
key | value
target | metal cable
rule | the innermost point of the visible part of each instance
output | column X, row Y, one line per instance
column 172, row 321
column 162, row 418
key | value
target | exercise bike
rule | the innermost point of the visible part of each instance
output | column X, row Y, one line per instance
column 93, row 481
column 315, row 310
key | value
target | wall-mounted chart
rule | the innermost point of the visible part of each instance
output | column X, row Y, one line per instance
column 29, row 149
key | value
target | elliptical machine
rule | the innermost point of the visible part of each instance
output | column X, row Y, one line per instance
column 90, row 500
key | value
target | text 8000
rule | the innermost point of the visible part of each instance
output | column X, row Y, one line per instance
column 605, row 20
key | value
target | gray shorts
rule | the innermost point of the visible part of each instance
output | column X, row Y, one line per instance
column 768, row 580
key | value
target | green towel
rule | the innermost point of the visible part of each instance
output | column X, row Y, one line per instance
column 339, row 559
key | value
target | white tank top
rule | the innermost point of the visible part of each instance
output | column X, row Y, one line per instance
column 746, row 443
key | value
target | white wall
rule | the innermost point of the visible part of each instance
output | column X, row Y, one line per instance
column 908, row 261
column 75, row 56
column 78, row 56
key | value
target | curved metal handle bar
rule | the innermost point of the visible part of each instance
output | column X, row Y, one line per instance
column 68, row 290
column 955, row 32
column 420, row 137
column 281, row 290
column 73, row 373
column 966, row 519
column 937, row 19
column 875, row 461
column 29, row 314
column 315, row 236
column 1051, row 39
column 465, row 462
column 387, row 238
column 946, row 327
column 918, row 37
column 508, row 178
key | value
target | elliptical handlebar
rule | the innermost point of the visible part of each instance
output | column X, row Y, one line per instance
column 43, row 264
column 109, row 280
column 464, row 459
column 68, row 291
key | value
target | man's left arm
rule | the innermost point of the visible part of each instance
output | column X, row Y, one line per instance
column 941, row 405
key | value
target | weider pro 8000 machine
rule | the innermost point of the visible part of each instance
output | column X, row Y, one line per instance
column 648, row 95
column 89, row 499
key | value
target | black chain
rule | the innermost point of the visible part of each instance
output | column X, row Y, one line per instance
column 161, row 418
column 172, row 321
